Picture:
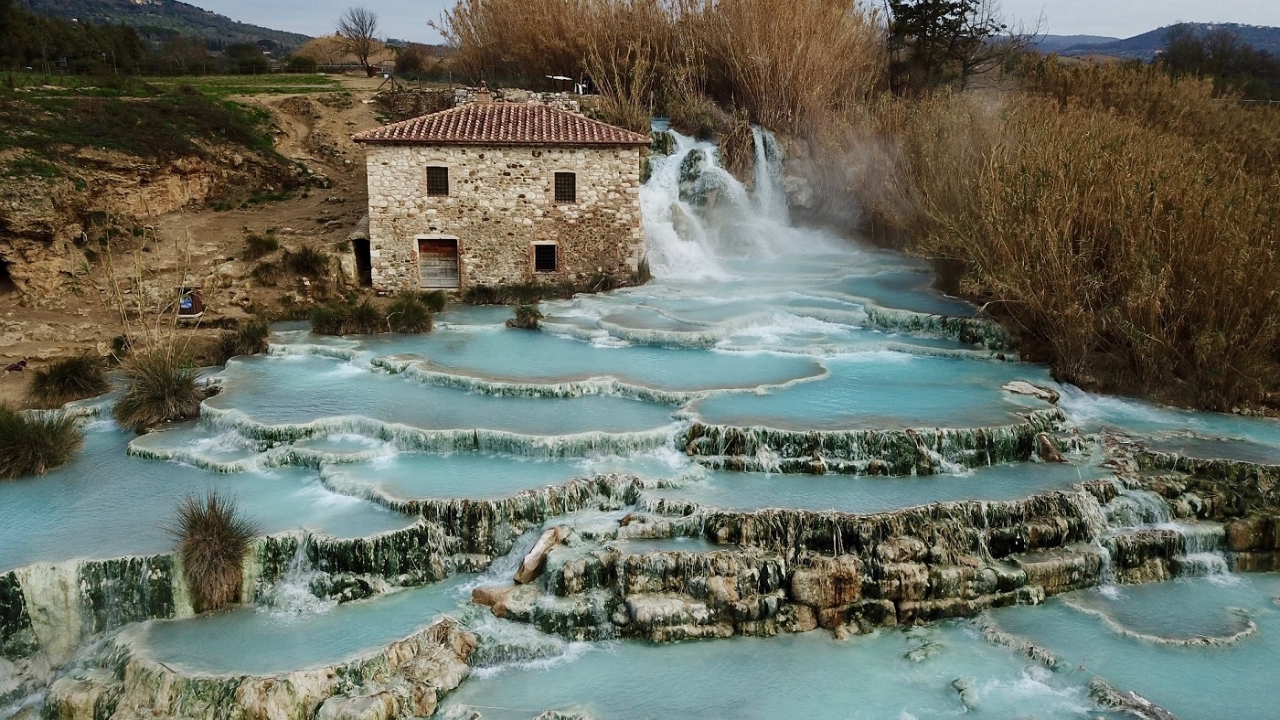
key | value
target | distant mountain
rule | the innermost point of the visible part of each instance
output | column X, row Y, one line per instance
column 159, row 19
column 1146, row 45
column 1058, row 43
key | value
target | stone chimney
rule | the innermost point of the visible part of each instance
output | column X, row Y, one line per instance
column 483, row 96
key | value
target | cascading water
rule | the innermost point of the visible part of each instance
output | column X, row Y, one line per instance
column 293, row 594
column 697, row 214
column 770, row 192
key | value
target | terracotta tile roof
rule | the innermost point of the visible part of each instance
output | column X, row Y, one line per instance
column 502, row 123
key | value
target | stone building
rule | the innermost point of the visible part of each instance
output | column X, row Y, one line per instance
column 495, row 192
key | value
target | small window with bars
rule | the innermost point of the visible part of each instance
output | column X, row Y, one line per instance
column 545, row 258
column 437, row 181
column 566, row 187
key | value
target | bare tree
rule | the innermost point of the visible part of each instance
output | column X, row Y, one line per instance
column 358, row 28
column 948, row 42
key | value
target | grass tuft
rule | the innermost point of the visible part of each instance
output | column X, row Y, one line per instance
column 347, row 317
column 248, row 339
column 257, row 246
column 162, row 388
column 526, row 317
column 33, row 443
column 410, row 313
column 62, row 381
column 307, row 262
column 213, row 539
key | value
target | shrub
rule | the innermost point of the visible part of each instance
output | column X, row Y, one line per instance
column 213, row 539
column 301, row 64
column 482, row 295
column 250, row 339
column 162, row 387
column 409, row 313
column 307, row 261
column 435, row 300
column 256, row 246
column 267, row 273
column 518, row 293
column 601, row 282
column 32, row 443
column 526, row 318
column 72, row 378
column 347, row 317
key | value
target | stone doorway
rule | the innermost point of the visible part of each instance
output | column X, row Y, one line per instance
column 438, row 263
column 364, row 261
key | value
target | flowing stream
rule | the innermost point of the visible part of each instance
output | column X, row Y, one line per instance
column 752, row 324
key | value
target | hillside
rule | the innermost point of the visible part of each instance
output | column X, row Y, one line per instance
column 1145, row 46
column 1058, row 43
column 161, row 18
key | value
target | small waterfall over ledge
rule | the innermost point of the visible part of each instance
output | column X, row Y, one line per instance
column 696, row 213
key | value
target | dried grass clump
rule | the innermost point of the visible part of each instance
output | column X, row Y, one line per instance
column 33, row 443
column 526, row 318
column 162, row 387
column 519, row 293
column 248, row 339
column 213, row 539
column 62, row 381
column 306, row 261
column 257, row 246
column 347, row 317
column 410, row 312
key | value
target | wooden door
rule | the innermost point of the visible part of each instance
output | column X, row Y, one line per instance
column 438, row 263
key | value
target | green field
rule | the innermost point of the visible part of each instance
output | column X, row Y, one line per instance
column 217, row 86
column 273, row 84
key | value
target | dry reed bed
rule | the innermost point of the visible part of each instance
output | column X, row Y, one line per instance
column 1136, row 251
column 785, row 63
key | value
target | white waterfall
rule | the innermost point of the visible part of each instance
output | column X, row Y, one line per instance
column 770, row 195
column 292, row 594
column 697, row 215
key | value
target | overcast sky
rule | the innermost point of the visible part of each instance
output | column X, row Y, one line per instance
column 407, row 19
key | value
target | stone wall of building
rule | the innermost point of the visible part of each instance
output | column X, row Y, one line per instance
column 501, row 202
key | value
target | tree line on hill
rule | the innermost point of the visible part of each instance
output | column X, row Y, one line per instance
column 1219, row 53
column 54, row 45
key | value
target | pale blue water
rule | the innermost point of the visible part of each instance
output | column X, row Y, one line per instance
column 544, row 358
column 1224, row 448
column 1093, row 411
column 300, row 389
column 262, row 642
column 106, row 504
column 413, row 476
column 905, row 290
column 856, row 494
column 789, row 676
column 884, row 390
column 1194, row 683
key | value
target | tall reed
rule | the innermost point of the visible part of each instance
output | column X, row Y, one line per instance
column 1133, row 257
column 786, row 62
